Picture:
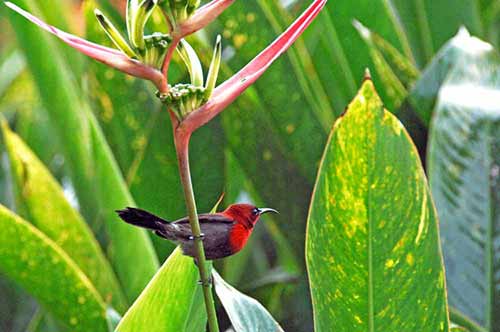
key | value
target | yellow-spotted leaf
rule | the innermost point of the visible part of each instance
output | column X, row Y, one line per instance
column 41, row 267
column 372, row 245
column 166, row 303
column 41, row 200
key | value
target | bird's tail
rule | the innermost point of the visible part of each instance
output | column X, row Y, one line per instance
column 141, row 218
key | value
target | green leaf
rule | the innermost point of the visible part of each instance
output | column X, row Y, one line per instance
column 10, row 69
column 166, row 302
column 458, row 318
column 429, row 24
column 464, row 171
column 458, row 50
column 372, row 244
column 245, row 313
column 336, row 42
column 395, row 89
column 41, row 200
column 93, row 169
column 46, row 271
column 289, row 111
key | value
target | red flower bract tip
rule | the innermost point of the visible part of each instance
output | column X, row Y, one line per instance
column 106, row 55
column 228, row 91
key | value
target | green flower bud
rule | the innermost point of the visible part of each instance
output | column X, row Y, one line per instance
column 213, row 71
column 179, row 10
column 193, row 64
column 156, row 46
column 114, row 34
column 186, row 98
column 183, row 99
column 137, row 15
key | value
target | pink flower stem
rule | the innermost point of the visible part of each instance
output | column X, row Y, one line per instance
column 168, row 58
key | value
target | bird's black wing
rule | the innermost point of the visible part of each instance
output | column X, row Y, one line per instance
column 207, row 217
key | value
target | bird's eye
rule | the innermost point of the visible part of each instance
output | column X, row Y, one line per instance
column 255, row 211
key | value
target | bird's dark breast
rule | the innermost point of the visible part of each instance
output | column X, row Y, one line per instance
column 215, row 242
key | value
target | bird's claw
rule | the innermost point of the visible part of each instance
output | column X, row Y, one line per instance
column 207, row 283
column 193, row 237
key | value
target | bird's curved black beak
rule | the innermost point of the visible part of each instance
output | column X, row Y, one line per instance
column 266, row 210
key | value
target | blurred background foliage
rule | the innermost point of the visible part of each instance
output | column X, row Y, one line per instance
column 108, row 143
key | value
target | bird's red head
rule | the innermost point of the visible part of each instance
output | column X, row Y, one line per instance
column 246, row 214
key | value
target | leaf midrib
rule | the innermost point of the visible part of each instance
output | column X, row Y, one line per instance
column 371, row 322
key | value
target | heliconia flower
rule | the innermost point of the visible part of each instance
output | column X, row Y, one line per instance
column 196, row 103
column 227, row 92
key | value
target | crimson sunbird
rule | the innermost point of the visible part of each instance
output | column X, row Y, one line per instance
column 224, row 233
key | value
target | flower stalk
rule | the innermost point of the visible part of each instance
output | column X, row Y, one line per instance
column 181, row 139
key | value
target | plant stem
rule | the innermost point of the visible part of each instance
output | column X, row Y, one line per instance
column 182, row 138
column 168, row 57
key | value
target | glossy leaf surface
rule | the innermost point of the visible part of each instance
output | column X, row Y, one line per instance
column 42, row 268
column 41, row 200
column 245, row 313
column 464, row 171
column 166, row 302
column 372, row 243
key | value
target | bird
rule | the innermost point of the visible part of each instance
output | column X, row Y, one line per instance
column 223, row 234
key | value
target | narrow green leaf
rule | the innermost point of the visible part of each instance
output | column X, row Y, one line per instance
column 165, row 303
column 348, row 56
column 430, row 24
column 458, row 318
column 41, row 199
column 245, row 313
column 394, row 87
column 46, row 271
column 464, row 171
column 372, row 244
column 93, row 169
column 10, row 69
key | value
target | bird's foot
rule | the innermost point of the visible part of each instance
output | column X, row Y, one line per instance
column 207, row 283
column 193, row 237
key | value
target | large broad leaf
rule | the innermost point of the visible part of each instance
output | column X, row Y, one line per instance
column 166, row 302
column 41, row 200
column 372, row 245
column 246, row 314
column 46, row 271
column 94, row 173
column 464, row 171
column 457, row 51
